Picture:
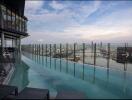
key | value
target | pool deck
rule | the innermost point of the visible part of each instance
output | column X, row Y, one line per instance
column 9, row 69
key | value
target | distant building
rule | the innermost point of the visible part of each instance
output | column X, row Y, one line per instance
column 13, row 24
column 124, row 54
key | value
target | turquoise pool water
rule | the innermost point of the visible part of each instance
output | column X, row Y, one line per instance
column 60, row 75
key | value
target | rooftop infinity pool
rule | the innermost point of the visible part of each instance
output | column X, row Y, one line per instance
column 59, row 75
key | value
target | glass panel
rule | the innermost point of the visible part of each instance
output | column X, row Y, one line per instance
column 101, row 54
column 13, row 20
column 4, row 16
column 89, row 53
column 116, row 56
column 9, row 19
column 22, row 23
column 129, row 57
column 25, row 25
column 17, row 23
column 20, row 20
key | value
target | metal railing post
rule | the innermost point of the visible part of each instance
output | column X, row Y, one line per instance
column 35, row 52
column 46, row 54
column 50, row 55
column 39, row 53
column 92, row 49
column 42, row 50
column 125, row 63
column 39, row 49
column 31, row 51
column 108, row 56
column 94, row 54
column 67, row 57
column 83, row 53
column 83, row 58
column 74, row 57
column 28, row 50
column 55, row 56
column 42, row 54
column 60, row 56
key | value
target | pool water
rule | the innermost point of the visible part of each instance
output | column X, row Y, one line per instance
column 59, row 75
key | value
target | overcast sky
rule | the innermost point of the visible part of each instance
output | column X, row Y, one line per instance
column 78, row 21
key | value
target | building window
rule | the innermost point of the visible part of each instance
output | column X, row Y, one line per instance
column 22, row 25
column 25, row 25
column 4, row 16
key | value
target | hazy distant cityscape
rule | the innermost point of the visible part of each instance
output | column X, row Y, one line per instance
column 115, row 56
column 65, row 49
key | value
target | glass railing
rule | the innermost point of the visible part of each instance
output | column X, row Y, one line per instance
column 111, row 55
column 10, row 20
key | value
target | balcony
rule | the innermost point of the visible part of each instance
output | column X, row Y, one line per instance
column 12, row 22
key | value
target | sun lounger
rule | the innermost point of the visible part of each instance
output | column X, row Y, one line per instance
column 6, row 90
column 33, row 93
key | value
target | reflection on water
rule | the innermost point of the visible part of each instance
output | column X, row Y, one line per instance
column 58, row 75
column 20, row 76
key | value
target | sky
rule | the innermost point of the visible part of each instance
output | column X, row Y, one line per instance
column 68, row 21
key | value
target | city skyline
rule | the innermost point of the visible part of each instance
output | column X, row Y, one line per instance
column 78, row 21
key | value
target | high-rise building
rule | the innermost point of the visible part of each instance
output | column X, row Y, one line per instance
column 13, row 24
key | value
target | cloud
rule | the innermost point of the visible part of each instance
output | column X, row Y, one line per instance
column 56, row 5
column 68, row 25
column 99, row 32
column 52, row 18
column 31, row 7
column 84, row 11
column 85, row 33
column 116, row 18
